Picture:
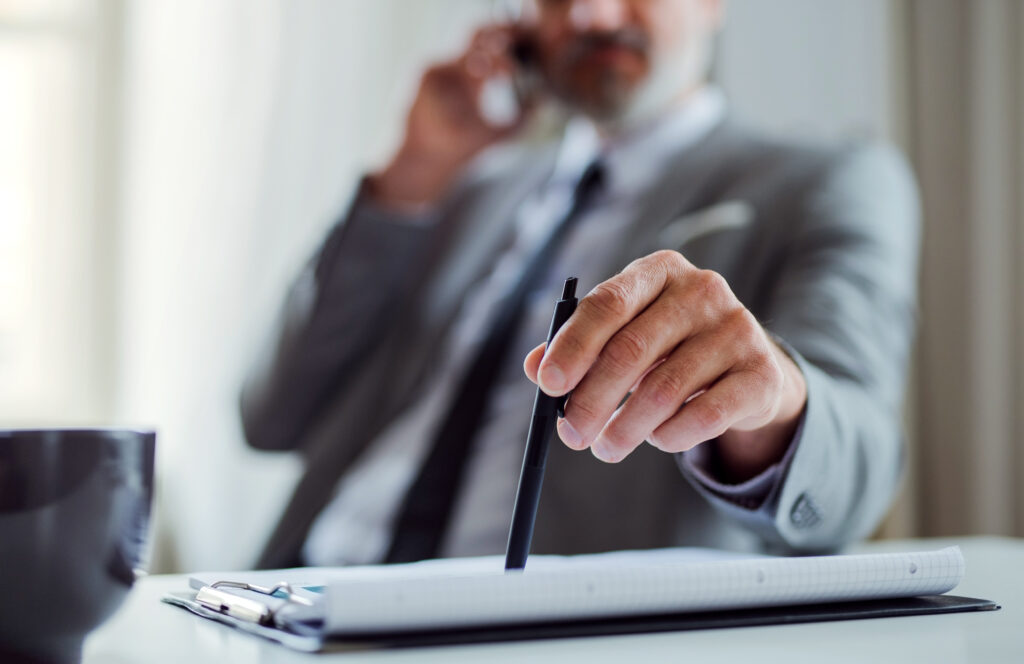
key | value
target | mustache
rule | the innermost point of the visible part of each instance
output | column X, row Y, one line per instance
column 630, row 38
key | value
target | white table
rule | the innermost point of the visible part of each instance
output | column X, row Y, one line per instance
column 146, row 630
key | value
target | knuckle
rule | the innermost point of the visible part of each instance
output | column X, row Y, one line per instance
column 617, row 436
column 656, row 441
column 662, row 442
column 710, row 416
column 745, row 329
column 626, row 349
column 712, row 281
column 609, row 298
column 665, row 388
column 581, row 409
column 768, row 374
column 713, row 286
column 671, row 261
column 567, row 347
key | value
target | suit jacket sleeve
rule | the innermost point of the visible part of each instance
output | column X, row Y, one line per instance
column 342, row 296
column 844, row 310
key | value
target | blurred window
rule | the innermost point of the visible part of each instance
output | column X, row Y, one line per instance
column 50, row 140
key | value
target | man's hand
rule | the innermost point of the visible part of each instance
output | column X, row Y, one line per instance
column 697, row 362
column 445, row 127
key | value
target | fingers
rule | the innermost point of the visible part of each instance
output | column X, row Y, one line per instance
column 488, row 52
column 486, row 56
column 601, row 314
column 695, row 360
column 494, row 37
column 532, row 361
column 631, row 353
column 734, row 399
column 696, row 364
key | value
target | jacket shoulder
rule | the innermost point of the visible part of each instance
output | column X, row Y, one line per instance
column 798, row 170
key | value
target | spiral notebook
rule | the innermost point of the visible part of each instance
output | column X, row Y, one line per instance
column 473, row 599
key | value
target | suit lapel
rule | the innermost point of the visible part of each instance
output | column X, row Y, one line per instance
column 484, row 226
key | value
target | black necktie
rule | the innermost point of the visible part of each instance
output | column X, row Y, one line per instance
column 423, row 518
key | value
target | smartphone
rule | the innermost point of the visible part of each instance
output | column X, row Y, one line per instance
column 527, row 78
column 504, row 99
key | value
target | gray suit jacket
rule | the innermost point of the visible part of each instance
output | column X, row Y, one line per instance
column 820, row 244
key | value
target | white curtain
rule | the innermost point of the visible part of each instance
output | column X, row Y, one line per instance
column 967, row 117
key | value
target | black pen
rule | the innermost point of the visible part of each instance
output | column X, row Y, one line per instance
column 546, row 411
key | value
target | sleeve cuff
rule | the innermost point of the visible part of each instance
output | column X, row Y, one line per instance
column 699, row 465
column 420, row 215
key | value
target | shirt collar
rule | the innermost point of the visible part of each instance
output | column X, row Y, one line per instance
column 635, row 159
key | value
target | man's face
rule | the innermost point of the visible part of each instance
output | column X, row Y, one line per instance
column 618, row 60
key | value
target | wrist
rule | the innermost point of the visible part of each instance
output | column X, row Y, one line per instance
column 411, row 181
column 794, row 392
column 745, row 454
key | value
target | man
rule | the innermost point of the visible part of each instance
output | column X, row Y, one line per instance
column 754, row 300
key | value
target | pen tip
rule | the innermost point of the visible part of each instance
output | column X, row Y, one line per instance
column 569, row 290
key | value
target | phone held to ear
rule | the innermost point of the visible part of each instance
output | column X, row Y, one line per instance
column 504, row 98
column 527, row 73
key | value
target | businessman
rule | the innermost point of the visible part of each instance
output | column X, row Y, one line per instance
column 736, row 367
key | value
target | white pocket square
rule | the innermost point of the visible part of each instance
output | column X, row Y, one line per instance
column 718, row 217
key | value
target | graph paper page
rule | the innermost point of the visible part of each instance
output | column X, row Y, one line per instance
column 472, row 592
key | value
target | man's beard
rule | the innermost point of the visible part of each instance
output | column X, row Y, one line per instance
column 619, row 102
column 606, row 92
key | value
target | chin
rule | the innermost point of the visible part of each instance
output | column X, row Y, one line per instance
column 605, row 114
column 604, row 100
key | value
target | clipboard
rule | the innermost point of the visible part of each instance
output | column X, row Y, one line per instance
column 462, row 601
column 263, row 620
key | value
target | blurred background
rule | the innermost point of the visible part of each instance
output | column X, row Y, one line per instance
column 166, row 167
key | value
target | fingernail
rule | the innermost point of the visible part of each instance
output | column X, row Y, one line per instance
column 570, row 436
column 603, row 451
column 552, row 379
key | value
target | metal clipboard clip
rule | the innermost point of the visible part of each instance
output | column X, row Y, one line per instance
column 245, row 608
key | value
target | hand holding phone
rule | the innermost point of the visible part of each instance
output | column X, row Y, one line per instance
column 507, row 97
column 462, row 106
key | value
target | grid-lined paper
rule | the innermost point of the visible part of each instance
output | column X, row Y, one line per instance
column 422, row 597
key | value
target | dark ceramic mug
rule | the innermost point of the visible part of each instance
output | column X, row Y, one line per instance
column 74, row 523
